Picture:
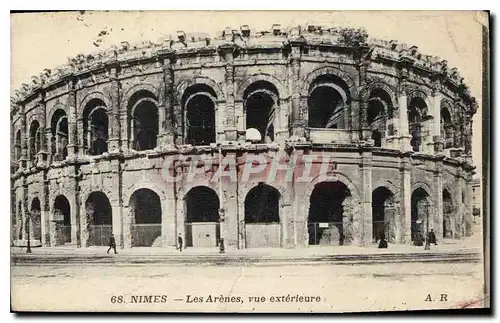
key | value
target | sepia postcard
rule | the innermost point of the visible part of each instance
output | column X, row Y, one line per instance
column 249, row 161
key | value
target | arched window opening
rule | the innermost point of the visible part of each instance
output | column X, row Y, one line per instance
column 99, row 219
column 260, row 101
column 144, row 121
column 447, row 128
column 262, row 205
column 383, row 215
column 60, row 138
column 379, row 111
column 330, row 214
column 202, row 217
column 199, row 105
column 417, row 114
column 17, row 146
column 95, row 125
column 146, row 210
column 328, row 97
column 35, row 140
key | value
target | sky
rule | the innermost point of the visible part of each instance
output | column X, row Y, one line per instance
column 45, row 40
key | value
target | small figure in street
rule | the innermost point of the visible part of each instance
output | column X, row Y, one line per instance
column 432, row 237
column 221, row 246
column 427, row 241
column 383, row 242
column 417, row 239
column 179, row 242
column 112, row 244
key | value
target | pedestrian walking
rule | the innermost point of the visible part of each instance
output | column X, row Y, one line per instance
column 432, row 237
column 112, row 243
column 221, row 246
column 179, row 242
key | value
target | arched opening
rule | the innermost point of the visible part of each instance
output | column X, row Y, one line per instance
column 260, row 102
column 447, row 128
column 36, row 220
column 95, row 128
column 146, row 216
column 420, row 214
column 62, row 220
column 447, row 214
column 35, row 140
column 329, row 220
column 60, row 138
column 144, row 120
column 383, row 214
column 379, row 111
column 202, row 217
column 417, row 114
column 262, row 218
column 17, row 147
column 99, row 219
column 199, row 105
column 328, row 97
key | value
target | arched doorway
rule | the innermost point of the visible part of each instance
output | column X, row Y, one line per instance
column 420, row 213
column 447, row 214
column 36, row 220
column 379, row 111
column 328, row 224
column 146, row 218
column 62, row 220
column 99, row 219
column 199, row 102
column 447, row 128
column 35, row 140
column 202, row 217
column 383, row 214
column 262, row 218
column 328, row 98
column 260, row 101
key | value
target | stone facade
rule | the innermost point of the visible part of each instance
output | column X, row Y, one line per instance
column 92, row 137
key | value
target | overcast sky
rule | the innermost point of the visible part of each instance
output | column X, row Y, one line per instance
column 46, row 40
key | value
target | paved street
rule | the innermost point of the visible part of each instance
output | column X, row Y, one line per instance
column 394, row 286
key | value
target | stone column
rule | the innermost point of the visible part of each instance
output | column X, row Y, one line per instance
column 165, row 110
column 469, row 207
column 366, row 199
column 127, row 219
column 437, row 137
column 168, row 221
column 439, row 208
column 114, row 113
column 72, row 117
column 459, row 206
column 24, row 139
column 42, row 154
column 404, row 131
column 230, row 122
column 298, row 122
column 117, row 218
column 405, row 207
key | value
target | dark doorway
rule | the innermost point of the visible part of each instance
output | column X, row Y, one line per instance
column 60, row 138
column 420, row 217
column 95, row 125
column 326, row 223
column 62, row 217
column 202, row 217
column 383, row 214
column 447, row 214
column 262, row 220
column 36, row 219
column 146, row 229
column 99, row 219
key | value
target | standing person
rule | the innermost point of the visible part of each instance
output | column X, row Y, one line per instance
column 383, row 242
column 179, row 241
column 427, row 241
column 112, row 243
column 432, row 237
